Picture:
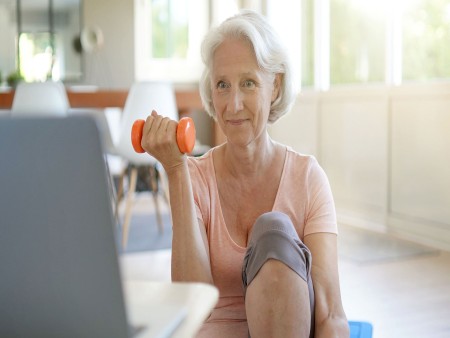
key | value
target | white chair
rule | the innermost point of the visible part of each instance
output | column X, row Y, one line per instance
column 142, row 98
column 40, row 99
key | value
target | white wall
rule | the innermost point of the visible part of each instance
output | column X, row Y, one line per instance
column 8, row 32
column 386, row 152
column 113, row 65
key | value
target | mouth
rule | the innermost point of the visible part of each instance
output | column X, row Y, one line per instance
column 236, row 122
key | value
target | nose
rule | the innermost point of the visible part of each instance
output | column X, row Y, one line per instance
column 235, row 101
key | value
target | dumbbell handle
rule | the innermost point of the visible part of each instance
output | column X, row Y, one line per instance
column 185, row 135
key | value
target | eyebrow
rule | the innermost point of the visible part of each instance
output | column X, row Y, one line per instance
column 245, row 74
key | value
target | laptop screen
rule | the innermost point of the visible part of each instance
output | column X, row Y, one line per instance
column 58, row 261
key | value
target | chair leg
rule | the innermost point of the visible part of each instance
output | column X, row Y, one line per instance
column 119, row 194
column 154, row 186
column 129, row 202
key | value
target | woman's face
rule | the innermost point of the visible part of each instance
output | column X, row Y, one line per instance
column 241, row 92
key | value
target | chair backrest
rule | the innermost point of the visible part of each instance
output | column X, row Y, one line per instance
column 40, row 99
column 105, row 132
column 142, row 98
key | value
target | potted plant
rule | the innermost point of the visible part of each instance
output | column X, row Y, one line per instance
column 14, row 78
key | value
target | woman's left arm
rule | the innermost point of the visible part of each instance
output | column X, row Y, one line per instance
column 330, row 319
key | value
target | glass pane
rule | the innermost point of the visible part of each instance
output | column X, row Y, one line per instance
column 35, row 15
column 35, row 41
column 307, row 43
column 283, row 15
column 67, row 27
column 49, row 40
column 169, row 20
column 426, row 40
column 357, row 37
column 36, row 56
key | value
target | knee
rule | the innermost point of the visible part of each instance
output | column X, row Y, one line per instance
column 277, row 253
column 273, row 273
column 269, row 221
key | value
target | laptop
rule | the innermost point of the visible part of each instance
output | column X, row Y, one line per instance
column 59, row 268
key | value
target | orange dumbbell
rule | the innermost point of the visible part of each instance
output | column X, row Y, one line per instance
column 185, row 135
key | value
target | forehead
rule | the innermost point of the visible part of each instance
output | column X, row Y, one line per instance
column 234, row 52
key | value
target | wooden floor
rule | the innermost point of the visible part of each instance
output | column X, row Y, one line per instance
column 407, row 298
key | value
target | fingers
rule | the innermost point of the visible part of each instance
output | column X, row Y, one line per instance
column 158, row 132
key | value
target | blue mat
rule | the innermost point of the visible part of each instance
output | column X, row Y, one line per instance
column 360, row 329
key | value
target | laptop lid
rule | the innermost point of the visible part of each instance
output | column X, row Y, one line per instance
column 59, row 273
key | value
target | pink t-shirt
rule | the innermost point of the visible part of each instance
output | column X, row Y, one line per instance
column 304, row 195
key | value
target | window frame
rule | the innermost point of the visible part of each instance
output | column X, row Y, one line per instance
column 186, row 70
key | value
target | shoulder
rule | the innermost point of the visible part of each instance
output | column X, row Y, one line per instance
column 298, row 161
column 304, row 168
column 200, row 162
column 201, row 168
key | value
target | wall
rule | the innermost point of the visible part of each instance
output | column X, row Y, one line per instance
column 8, row 32
column 386, row 152
column 113, row 65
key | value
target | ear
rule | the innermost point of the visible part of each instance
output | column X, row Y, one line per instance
column 276, row 86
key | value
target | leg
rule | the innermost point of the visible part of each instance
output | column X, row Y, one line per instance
column 129, row 202
column 276, row 275
column 277, row 303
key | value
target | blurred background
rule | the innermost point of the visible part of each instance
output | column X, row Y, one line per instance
column 373, row 107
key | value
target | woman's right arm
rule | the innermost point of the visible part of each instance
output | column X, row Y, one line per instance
column 190, row 256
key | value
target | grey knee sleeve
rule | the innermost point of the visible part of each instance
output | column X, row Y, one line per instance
column 274, row 237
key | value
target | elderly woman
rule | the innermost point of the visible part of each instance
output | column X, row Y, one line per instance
column 252, row 216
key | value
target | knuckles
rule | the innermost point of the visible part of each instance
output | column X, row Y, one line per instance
column 160, row 135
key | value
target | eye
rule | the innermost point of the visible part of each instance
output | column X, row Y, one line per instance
column 249, row 84
column 221, row 85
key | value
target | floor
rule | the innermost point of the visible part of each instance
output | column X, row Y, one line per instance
column 407, row 297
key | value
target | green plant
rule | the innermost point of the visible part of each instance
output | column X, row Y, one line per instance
column 14, row 78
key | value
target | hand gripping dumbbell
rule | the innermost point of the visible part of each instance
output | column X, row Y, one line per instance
column 185, row 135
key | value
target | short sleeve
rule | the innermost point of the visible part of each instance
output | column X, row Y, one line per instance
column 200, row 191
column 321, row 212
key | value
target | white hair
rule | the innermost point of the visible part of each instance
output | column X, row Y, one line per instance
column 270, row 55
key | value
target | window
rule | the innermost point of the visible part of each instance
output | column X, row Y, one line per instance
column 357, row 41
column 307, row 45
column 168, row 35
column 170, row 28
column 426, row 40
column 288, row 26
column 330, row 41
column 47, row 32
column 36, row 56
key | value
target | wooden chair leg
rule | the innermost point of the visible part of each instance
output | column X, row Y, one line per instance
column 154, row 187
column 129, row 202
column 119, row 194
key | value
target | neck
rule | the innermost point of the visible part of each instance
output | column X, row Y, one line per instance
column 250, row 160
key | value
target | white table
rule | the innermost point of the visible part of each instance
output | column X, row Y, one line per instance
column 143, row 301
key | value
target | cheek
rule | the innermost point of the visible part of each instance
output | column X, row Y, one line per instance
column 264, row 103
column 217, row 105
